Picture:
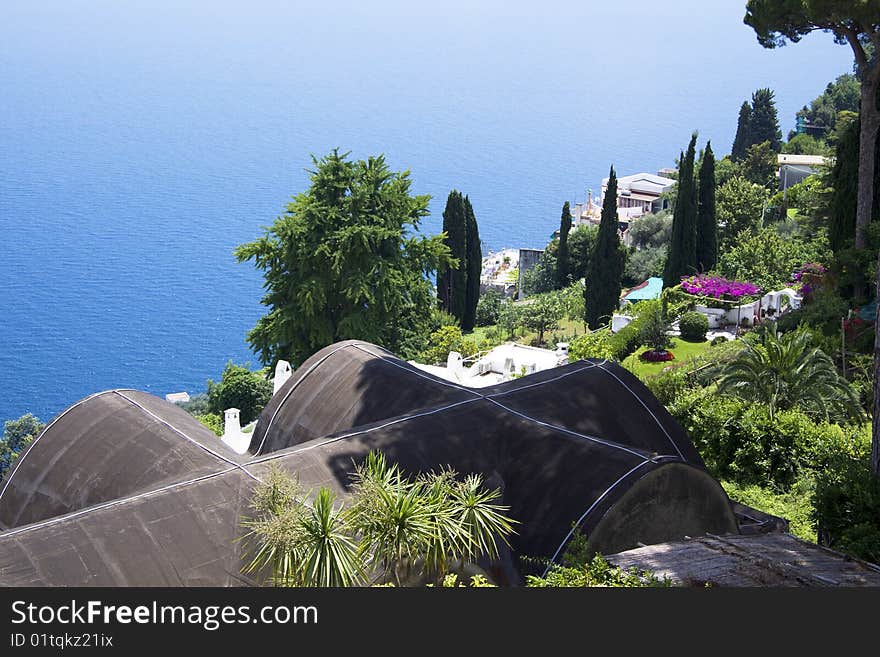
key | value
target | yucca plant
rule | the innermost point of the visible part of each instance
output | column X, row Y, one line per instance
column 786, row 371
column 300, row 544
column 396, row 527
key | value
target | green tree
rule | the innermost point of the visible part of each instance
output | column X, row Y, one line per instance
column 786, row 371
column 562, row 267
column 682, row 257
column 843, row 180
column 343, row 263
column 489, row 308
column 605, row 268
column 542, row 313
column 452, row 288
column 644, row 263
column 760, row 165
column 474, row 268
column 767, row 259
column 239, row 388
column 804, row 144
column 651, row 230
column 853, row 23
column 739, row 206
column 764, row 121
column 581, row 244
column 707, row 223
column 542, row 277
column 17, row 435
column 509, row 319
column 444, row 340
column 821, row 116
column 742, row 140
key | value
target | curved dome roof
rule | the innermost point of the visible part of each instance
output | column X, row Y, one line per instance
column 586, row 443
column 104, row 447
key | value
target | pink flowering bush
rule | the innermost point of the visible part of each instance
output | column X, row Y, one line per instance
column 718, row 287
column 809, row 275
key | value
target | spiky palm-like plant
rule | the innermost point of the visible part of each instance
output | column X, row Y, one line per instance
column 787, row 371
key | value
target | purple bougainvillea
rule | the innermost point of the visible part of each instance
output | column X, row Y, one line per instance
column 809, row 269
column 718, row 287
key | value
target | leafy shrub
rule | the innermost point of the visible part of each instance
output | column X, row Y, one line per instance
column 848, row 507
column 693, row 327
column 824, row 312
column 795, row 505
column 444, row 340
column 596, row 572
column 740, row 442
column 488, row 308
column 214, row 421
column 718, row 339
column 240, row 388
column 595, row 344
column 17, row 435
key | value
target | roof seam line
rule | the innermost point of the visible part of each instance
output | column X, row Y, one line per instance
column 577, row 525
column 184, row 435
column 117, row 502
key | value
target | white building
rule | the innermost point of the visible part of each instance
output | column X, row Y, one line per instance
column 503, row 363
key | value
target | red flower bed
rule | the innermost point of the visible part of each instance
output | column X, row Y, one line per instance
column 652, row 356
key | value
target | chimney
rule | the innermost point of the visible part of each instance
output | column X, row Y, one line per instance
column 282, row 373
column 232, row 425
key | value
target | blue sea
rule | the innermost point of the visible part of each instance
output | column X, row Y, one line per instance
column 141, row 141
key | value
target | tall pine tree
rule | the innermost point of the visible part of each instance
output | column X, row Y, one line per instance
column 452, row 282
column 742, row 141
column 707, row 225
column 682, row 257
column 562, row 266
column 764, row 121
column 474, row 255
column 602, row 294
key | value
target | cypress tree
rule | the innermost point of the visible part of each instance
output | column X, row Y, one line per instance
column 764, row 121
column 707, row 225
column 606, row 264
column 562, row 266
column 452, row 282
column 682, row 257
column 742, row 141
column 843, row 179
column 474, row 255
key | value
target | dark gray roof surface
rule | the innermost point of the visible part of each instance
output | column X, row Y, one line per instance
column 586, row 443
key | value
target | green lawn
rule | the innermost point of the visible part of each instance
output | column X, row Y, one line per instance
column 684, row 352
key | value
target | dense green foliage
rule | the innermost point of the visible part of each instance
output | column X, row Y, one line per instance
column 820, row 118
column 444, row 340
column 682, row 257
column 458, row 285
column 595, row 572
column 213, row 421
column 562, row 254
column 795, row 504
column 760, row 166
column 693, row 326
column 489, row 308
column 17, row 435
column 240, row 388
column 605, row 269
column 740, row 140
column 767, row 259
column 542, row 313
column 343, row 263
column 740, row 205
column 707, row 223
column 473, row 266
column 787, row 371
column 764, row 121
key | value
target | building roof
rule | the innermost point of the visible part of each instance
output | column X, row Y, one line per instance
column 803, row 160
column 644, row 183
column 153, row 502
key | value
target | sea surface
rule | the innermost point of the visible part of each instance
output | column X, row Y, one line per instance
column 141, row 141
